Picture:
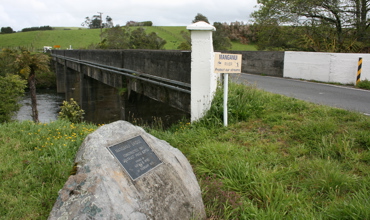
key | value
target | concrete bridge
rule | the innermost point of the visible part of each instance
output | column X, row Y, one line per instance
column 118, row 84
column 141, row 84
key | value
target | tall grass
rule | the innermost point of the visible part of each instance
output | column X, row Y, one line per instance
column 280, row 158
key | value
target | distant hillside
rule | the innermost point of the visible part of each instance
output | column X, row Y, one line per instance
column 80, row 38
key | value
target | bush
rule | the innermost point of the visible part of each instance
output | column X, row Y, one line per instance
column 11, row 89
column 364, row 84
column 6, row 30
column 46, row 80
column 71, row 111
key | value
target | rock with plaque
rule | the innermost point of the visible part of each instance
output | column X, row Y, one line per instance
column 135, row 156
column 125, row 173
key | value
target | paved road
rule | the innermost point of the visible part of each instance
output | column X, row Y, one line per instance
column 344, row 97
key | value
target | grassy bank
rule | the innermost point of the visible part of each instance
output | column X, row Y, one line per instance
column 81, row 38
column 280, row 158
column 36, row 160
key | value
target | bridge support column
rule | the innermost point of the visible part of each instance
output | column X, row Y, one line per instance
column 72, row 84
column 59, row 71
column 101, row 103
column 203, row 79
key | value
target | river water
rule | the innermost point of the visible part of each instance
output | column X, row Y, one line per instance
column 49, row 102
column 48, row 106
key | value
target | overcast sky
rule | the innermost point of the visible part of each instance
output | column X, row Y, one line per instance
column 19, row 14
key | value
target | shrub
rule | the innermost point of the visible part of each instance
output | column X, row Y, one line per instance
column 11, row 89
column 71, row 111
column 45, row 80
column 364, row 84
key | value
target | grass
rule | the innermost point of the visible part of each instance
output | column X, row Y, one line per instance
column 35, row 163
column 243, row 47
column 36, row 40
column 279, row 158
column 80, row 38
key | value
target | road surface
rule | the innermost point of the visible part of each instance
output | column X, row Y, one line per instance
column 344, row 97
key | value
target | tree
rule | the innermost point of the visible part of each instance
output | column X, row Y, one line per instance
column 238, row 31
column 185, row 45
column 11, row 89
column 345, row 19
column 142, row 23
column 11, row 85
column 200, row 17
column 221, row 40
column 7, row 62
column 109, row 22
column 96, row 22
column 6, row 30
column 28, row 65
column 42, row 28
column 116, row 38
column 124, row 38
column 141, row 40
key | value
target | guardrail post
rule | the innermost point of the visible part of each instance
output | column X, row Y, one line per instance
column 359, row 69
column 203, row 79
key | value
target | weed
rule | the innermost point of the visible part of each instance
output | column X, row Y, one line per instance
column 364, row 84
column 71, row 111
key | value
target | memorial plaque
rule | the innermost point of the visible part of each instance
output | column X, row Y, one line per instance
column 135, row 156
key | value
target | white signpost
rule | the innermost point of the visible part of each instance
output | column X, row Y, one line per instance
column 227, row 63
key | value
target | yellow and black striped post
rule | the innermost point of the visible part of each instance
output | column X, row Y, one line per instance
column 359, row 70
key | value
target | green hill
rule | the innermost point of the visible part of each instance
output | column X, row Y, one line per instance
column 80, row 38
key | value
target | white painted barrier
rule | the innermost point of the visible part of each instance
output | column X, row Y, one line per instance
column 203, row 79
column 326, row 67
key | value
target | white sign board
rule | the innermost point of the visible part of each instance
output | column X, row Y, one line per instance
column 228, row 63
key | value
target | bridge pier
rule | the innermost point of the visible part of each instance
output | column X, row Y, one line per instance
column 72, row 84
column 60, row 75
column 101, row 103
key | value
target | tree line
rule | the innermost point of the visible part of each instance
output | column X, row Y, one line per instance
column 317, row 25
column 9, row 30
column 41, row 28
column 122, row 37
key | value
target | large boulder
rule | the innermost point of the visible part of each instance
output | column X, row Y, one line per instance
column 163, row 187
